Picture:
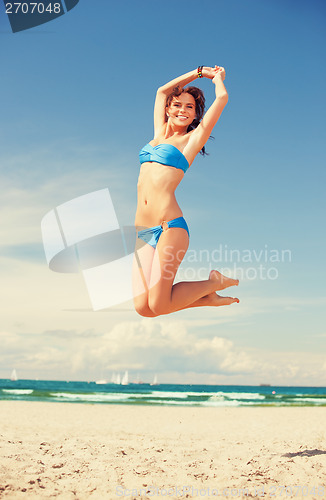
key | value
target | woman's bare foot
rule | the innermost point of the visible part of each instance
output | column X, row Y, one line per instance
column 218, row 300
column 222, row 281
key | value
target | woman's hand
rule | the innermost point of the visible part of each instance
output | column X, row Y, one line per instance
column 208, row 72
column 219, row 73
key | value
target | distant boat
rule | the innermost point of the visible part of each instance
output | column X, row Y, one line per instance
column 101, row 382
column 124, row 380
column 264, row 385
column 13, row 376
column 155, row 381
column 116, row 378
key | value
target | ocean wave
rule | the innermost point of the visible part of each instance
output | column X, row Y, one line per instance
column 320, row 400
column 221, row 403
column 98, row 396
column 237, row 395
column 18, row 391
column 166, row 394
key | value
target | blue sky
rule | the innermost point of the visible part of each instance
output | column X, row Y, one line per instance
column 77, row 105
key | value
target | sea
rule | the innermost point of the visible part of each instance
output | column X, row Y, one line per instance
column 160, row 394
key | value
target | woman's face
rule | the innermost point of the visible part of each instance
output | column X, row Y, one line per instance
column 182, row 110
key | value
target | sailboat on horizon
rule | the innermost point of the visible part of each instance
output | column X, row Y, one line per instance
column 118, row 380
column 154, row 381
column 13, row 376
column 125, row 378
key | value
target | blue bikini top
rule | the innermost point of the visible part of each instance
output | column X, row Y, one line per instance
column 167, row 154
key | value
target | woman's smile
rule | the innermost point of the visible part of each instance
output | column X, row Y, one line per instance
column 182, row 108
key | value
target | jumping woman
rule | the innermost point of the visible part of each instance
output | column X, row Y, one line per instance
column 180, row 133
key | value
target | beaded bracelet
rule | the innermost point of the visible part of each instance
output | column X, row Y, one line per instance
column 199, row 72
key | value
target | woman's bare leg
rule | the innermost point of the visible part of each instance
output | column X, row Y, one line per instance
column 140, row 277
column 164, row 297
column 212, row 300
column 141, row 274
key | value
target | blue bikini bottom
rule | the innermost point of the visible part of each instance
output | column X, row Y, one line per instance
column 152, row 234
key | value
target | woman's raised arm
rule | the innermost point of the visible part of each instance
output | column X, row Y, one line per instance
column 201, row 134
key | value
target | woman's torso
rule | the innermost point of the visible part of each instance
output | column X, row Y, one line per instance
column 156, row 189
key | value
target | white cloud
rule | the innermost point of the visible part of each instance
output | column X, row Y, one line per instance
column 134, row 345
column 169, row 348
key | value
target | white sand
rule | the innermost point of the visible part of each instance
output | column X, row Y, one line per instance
column 78, row 451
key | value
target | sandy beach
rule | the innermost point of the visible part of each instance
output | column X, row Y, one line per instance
column 108, row 451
